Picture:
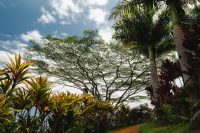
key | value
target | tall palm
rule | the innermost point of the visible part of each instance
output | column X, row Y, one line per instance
column 175, row 8
column 148, row 35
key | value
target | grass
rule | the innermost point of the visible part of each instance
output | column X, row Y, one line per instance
column 111, row 131
column 156, row 128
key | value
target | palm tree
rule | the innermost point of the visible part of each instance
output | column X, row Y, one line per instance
column 175, row 8
column 148, row 35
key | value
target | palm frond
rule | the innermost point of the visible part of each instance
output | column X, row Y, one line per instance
column 165, row 46
column 124, row 7
column 143, row 30
column 131, row 6
column 160, row 27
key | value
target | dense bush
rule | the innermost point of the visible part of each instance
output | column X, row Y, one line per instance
column 180, row 104
column 125, row 116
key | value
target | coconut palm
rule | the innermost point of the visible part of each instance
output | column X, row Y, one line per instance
column 174, row 7
column 148, row 35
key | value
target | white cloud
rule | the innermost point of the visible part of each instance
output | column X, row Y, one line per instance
column 60, row 34
column 4, row 56
column 9, row 48
column 69, row 11
column 65, row 8
column 63, row 22
column 97, row 2
column 32, row 36
column 66, row 12
column 46, row 17
column 106, row 33
column 97, row 15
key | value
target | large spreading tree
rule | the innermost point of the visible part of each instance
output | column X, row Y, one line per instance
column 107, row 72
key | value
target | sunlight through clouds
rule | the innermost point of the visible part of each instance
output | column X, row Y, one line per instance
column 106, row 33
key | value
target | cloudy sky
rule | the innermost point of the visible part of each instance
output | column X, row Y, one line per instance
column 25, row 20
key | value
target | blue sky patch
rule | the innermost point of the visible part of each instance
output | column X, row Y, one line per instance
column 55, row 17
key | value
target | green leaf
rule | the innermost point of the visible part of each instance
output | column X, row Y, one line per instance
column 2, row 102
column 17, row 110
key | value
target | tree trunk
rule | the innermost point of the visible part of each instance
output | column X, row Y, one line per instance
column 153, row 70
column 179, row 40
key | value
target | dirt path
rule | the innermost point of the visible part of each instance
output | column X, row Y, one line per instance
column 133, row 129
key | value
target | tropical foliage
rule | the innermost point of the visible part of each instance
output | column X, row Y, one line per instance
column 178, row 85
column 110, row 75
column 180, row 104
column 28, row 105
column 125, row 116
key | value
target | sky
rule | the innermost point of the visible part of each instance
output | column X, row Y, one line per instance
column 25, row 20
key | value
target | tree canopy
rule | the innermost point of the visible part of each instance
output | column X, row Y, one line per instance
column 107, row 72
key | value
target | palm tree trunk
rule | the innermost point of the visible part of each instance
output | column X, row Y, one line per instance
column 153, row 70
column 179, row 40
